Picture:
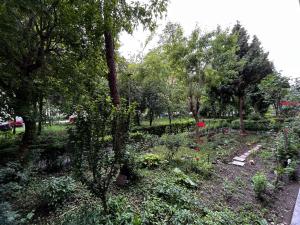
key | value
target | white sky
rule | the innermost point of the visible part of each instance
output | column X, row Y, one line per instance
column 275, row 22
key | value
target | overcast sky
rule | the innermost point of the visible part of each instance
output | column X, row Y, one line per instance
column 275, row 22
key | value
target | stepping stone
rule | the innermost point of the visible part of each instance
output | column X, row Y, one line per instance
column 241, row 158
column 237, row 163
column 296, row 213
column 245, row 155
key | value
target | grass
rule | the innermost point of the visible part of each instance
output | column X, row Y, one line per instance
column 165, row 121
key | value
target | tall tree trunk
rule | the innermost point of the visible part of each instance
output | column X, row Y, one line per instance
column 170, row 116
column 28, row 136
column 112, row 74
column 241, row 109
column 137, row 118
column 150, row 117
column 14, row 126
column 41, row 104
column 112, row 82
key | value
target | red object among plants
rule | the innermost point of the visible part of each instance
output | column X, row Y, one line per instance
column 200, row 124
column 289, row 103
column 197, row 149
column 197, row 158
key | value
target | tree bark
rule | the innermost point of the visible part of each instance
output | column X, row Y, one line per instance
column 112, row 74
column 40, row 115
column 170, row 116
column 14, row 127
column 150, row 117
column 28, row 137
column 137, row 118
column 242, row 125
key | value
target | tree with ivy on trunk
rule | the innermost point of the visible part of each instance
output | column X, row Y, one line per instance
column 118, row 16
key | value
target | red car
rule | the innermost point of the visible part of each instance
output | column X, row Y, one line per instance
column 19, row 122
column 72, row 119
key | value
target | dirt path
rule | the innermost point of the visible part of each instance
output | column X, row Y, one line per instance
column 285, row 201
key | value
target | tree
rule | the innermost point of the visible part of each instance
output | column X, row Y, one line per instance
column 36, row 36
column 117, row 16
column 224, row 67
column 274, row 88
column 196, row 61
column 256, row 67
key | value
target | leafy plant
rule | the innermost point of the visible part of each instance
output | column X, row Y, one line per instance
column 184, row 179
column 7, row 215
column 55, row 190
column 260, row 184
column 202, row 167
column 175, row 194
column 151, row 160
column 156, row 211
column 291, row 169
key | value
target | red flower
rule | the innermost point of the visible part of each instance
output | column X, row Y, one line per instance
column 197, row 158
column 197, row 149
column 200, row 124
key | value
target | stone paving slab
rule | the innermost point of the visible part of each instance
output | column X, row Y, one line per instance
column 241, row 158
column 296, row 213
column 237, row 163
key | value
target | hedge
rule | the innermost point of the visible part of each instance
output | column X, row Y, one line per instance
column 178, row 127
column 257, row 125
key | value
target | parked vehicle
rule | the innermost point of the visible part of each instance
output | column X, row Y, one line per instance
column 72, row 119
column 5, row 126
column 19, row 122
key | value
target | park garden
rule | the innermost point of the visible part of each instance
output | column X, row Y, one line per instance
column 200, row 130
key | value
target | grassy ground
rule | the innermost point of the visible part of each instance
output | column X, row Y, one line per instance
column 165, row 121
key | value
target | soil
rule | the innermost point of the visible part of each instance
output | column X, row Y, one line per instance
column 232, row 187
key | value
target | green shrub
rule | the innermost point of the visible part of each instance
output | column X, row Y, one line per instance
column 185, row 216
column 256, row 125
column 228, row 217
column 173, row 142
column 287, row 146
column 137, row 136
column 202, row 167
column 7, row 215
column 91, row 213
column 184, row 179
column 175, row 195
column 11, row 173
column 260, row 184
column 179, row 127
column 156, row 211
column 55, row 190
column 291, row 170
column 151, row 160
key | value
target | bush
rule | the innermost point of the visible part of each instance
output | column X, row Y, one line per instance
column 56, row 190
column 91, row 213
column 136, row 136
column 151, row 160
column 184, row 179
column 287, row 145
column 291, row 170
column 155, row 211
column 256, row 125
column 175, row 195
column 173, row 142
column 180, row 127
column 202, row 167
column 7, row 215
column 260, row 184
